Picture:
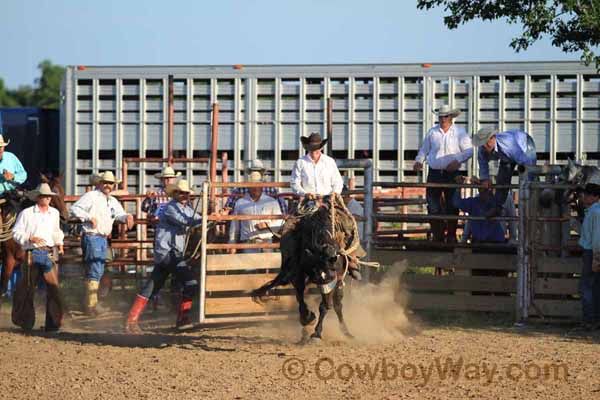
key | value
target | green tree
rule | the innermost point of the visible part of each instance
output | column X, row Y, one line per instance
column 6, row 97
column 572, row 25
column 47, row 91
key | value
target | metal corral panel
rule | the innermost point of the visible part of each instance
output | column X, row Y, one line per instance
column 379, row 111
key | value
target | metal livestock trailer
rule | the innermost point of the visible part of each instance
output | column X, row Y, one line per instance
column 378, row 111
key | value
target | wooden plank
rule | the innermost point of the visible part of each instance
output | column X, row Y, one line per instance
column 412, row 258
column 215, row 283
column 422, row 301
column 243, row 261
column 486, row 261
column 557, row 265
column 459, row 283
column 557, row 308
column 556, row 286
column 245, row 305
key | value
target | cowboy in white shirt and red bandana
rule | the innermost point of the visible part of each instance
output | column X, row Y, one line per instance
column 445, row 148
column 38, row 232
column 98, row 210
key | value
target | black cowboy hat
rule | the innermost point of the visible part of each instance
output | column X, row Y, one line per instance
column 313, row 142
column 592, row 188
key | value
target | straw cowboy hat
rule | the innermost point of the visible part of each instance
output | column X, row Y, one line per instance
column 254, row 176
column 2, row 142
column 255, row 165
column 167, row 172
column 313, row 142
column 42, row 190
column 106, row 176
column 483, row 135
column 445, row 110
column 180, row 186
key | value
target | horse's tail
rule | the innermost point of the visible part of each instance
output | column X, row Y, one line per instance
column 281, row 279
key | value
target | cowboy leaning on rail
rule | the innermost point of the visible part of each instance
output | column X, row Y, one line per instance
column 98, row 210
column 12, row 170
column 315, row 175
column 512, row 148
column 38, row 231
column 169, row 247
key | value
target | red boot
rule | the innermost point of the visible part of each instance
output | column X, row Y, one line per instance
column 183, row 314
column 134, row 315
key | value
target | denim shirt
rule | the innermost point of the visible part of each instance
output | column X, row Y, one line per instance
column 511, row 146
column 590, row 230
column 481, row 231
column 172, row 228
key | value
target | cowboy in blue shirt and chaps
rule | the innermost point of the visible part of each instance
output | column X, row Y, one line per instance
column 512, row 148
column 169, row 258
column 589, row 283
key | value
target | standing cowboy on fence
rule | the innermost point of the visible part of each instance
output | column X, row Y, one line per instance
column 38, row 231
column 254, row 166
column 512, row 148
column 156, row 200
column 11, row 169
column 98, row 210
column 255, row 202
column 445, row 147
column 169, row 258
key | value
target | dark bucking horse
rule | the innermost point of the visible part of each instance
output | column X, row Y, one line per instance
column 317, row 249
column 14, row 202
column 579, row 175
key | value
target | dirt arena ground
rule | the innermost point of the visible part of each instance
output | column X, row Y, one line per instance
column 393, row 356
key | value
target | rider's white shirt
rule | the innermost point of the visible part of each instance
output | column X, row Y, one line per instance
column 321, row 178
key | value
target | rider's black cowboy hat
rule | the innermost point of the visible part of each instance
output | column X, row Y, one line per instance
column 313, row 142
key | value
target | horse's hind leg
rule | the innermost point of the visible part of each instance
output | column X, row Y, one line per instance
column 338, row 296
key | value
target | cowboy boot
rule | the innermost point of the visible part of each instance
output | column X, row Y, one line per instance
column 134, row 315
column 92, row 308
column 437, row 230
column 183, row 314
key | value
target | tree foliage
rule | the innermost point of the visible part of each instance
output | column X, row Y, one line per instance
column 572, row 25
column 45, row 93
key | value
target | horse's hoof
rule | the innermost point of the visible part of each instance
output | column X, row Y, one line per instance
column 315, row 339
column 308, row 320
column 348, row 334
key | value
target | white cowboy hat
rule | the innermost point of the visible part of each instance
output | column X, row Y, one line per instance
column 445, row 110
column 180, row 186
column 255, row 165
column 2, row 142
column 483, row 135
column 168, row 172
column 254, row 176
column 106, row 176
column 42, row 190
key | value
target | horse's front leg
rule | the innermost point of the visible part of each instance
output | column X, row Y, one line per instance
column 306, row 316
column 326, row 300
column 338, row 296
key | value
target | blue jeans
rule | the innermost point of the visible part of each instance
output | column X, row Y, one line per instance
column 94, row 255
column 434, row 195
column 41, row 260
column 171, row 264
column 589, row 289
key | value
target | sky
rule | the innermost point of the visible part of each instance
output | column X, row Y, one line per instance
column 197, row 32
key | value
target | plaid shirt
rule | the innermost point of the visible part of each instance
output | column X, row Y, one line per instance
column 238, row 193
column 156, row 205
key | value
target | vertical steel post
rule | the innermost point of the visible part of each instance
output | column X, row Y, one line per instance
column 522, row 267
column 330, row 126
column 214, row 144
column 203, row 258
column 170, row 127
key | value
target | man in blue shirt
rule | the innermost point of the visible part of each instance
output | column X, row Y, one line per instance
column 11, row 169
column 512, row 148
column 478, row 206
column 169, row 247
column 589, row 283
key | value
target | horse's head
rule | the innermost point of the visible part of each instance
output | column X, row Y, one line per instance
column 58, row 202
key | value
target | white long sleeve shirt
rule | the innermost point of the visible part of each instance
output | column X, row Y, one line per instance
column 106, row 209
column 246, row 230
column 32, row 222
column 440, row 149
column 322, row 177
